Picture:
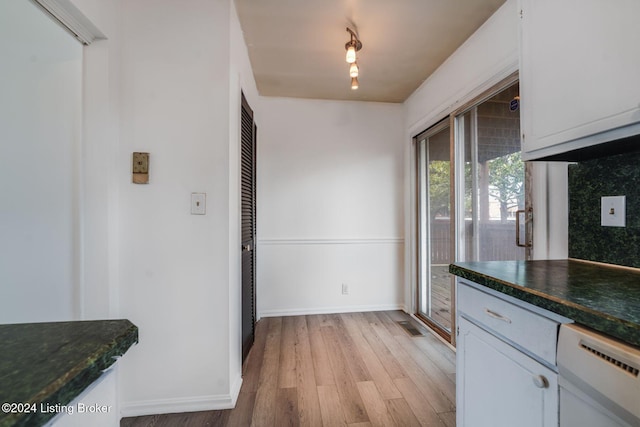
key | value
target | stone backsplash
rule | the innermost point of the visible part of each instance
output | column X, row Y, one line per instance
column 590, row 180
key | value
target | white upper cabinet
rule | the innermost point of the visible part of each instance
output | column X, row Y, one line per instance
column 579, row 74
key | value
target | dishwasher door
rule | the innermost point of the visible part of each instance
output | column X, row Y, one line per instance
column 599, row 382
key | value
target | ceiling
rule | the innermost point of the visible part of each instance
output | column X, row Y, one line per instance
column 296, row 47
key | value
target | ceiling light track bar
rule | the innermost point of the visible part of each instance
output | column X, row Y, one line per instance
column 355, row 42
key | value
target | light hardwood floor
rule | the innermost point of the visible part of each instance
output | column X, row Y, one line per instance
column 355, row 369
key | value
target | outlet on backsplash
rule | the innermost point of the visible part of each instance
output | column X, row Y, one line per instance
column 612, row 211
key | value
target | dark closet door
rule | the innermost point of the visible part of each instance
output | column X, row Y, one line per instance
column 248, row 213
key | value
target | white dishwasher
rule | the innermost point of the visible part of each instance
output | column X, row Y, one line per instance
column 599, row 381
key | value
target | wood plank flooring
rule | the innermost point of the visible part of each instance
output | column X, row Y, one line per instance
column 354, row 369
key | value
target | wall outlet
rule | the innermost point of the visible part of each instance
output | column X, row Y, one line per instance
column 198, row 203
column 345, row 289
column 613, row 211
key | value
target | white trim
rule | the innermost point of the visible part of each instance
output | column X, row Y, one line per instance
column 466, row 94
column 330, row 310
column 183, row 404
column 387, row 241
column 235, row 389
column 72, row 19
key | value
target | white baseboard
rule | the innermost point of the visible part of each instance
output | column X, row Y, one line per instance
column 183, row 404
column 235, row 389
column 329, row 310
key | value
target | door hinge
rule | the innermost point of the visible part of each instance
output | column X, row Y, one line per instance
column 457, row 331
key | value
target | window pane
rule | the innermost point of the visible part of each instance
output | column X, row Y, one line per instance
column 493, row 178
column 434, row 204
column 440, row 228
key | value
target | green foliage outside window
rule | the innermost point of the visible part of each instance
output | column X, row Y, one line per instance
column 506, row 182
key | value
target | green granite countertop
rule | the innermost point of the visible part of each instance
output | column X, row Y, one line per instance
column 603, row 298
column 52, row 363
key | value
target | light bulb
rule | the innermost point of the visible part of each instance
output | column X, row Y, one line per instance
column 351, row 54
column 353, row 70
column 354, row 83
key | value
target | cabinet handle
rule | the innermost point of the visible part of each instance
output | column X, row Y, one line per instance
column 495, row 315
column 540, row 381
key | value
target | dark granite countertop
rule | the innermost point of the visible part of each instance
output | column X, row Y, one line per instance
column 603, row 298
column 52, row 363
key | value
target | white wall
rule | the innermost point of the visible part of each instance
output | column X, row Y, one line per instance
column 167, row 80
column 40, row 82
column 173, row 266
column 330, row 185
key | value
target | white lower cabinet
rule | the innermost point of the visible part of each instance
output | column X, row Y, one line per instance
column 498, row 386
column 501, row 381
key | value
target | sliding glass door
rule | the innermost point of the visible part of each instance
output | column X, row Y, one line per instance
column 472, row 198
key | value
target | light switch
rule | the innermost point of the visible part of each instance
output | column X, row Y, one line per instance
column 613, row 211
column 198, row 203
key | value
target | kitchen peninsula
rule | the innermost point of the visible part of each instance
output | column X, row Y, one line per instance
column 526, row 335
column 601, row 297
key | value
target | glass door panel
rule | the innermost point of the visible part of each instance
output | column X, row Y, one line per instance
column 434, row 227
column 492, row 192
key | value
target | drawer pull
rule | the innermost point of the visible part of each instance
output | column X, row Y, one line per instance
column 540, row 381
column 495, row 315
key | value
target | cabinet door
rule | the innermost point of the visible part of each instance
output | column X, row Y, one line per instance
column 499, row 386
column 579, row 70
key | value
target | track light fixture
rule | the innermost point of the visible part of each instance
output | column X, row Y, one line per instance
column 353, row 46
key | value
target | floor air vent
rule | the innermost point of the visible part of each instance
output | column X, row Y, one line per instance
column 410, row 328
